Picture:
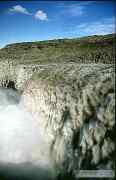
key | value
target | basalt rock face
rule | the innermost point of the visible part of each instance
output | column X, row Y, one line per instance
column 74, row 105
column 15, row 76
column 7, row 73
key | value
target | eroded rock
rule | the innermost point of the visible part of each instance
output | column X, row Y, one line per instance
column 77, row 114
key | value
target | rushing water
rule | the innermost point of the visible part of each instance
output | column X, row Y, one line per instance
column 23, row 150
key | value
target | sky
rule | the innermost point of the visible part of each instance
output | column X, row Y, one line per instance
column 25, row 21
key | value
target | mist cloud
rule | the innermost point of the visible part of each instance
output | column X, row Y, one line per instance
column 21, row 140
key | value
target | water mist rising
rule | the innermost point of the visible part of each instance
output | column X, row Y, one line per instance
column 21, row 140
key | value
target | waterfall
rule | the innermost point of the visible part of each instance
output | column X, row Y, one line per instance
column 21, row 139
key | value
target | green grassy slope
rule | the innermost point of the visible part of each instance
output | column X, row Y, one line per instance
column 81, row 50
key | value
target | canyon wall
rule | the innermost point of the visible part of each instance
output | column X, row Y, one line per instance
column 76, row 106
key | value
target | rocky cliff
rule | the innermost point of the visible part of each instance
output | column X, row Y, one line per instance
column 76, row 105
column 70, row 85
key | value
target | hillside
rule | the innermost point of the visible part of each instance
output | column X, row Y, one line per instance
column 93, row 49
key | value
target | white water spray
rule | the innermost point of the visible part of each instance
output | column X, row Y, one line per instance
column 21, row 140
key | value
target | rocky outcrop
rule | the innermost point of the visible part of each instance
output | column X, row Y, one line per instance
column 15, row 76
column 7, row 73
column 75, row 107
